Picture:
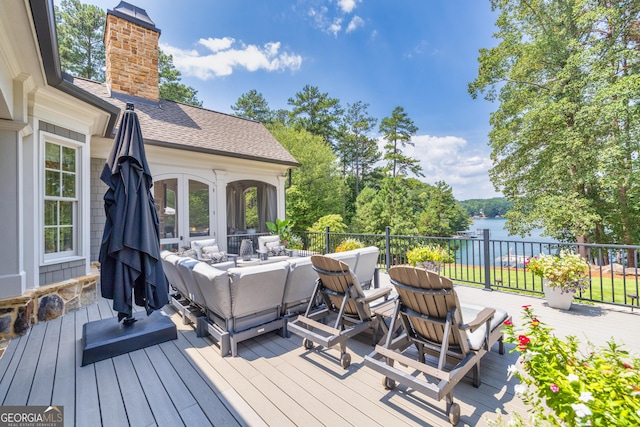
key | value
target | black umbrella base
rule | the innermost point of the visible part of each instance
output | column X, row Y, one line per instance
column 107, row 338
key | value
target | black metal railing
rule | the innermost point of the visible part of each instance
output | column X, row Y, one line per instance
column 480, row 260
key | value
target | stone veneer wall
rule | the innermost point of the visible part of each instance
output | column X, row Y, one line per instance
column 19, row 314
column 131, row 58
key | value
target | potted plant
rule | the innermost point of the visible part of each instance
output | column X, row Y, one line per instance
column 282, row 227
column 295, row 244
column 562, row 275
column 431, row 257
column 567, row 384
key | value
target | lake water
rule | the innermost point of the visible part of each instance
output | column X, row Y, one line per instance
column 505, row 250
column 498, row 232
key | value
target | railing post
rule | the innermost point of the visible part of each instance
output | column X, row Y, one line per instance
column 326, row 240
column 387, row 247
column 486, row 259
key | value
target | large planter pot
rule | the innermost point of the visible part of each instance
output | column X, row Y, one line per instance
column 556, row 299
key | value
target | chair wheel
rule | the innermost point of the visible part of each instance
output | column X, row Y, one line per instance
column 345, row 360
column 454, row 414
column 388, row 383
column 307, row 343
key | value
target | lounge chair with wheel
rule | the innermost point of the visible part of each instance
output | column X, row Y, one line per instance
column 346, row 308
column 429, row 320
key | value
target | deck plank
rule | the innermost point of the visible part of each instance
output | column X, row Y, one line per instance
column 13, row 354
column 112, row 411
column 87, row 408
column 42, row 389
column 214, row 409
column 64, row 385
column 164, row 412
column 227, row 367
column 138, row 412
column 20, row 389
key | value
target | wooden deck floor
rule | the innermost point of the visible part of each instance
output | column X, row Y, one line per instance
column 273, row 381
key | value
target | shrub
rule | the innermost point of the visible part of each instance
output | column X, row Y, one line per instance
column 334, row 222
column 566, row 387
column 349, row 244
column 429, row 257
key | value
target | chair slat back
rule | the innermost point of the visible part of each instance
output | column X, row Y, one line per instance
column 337, row 277
column 430, row 295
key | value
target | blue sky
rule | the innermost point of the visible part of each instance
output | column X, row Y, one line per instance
column 418, row 54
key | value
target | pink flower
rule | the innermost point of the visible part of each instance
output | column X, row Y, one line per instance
column 554, row 388
column 508, row 322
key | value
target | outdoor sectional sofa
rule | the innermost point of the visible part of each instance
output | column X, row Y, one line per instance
column 243, row 302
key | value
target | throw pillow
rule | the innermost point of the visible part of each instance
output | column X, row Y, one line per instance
column 276, row 250
column 213, row 254
column 188, row 252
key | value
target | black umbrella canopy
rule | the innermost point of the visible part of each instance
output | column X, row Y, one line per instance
column 130, row 265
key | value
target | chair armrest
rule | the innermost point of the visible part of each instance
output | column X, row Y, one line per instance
column 484, row 316
column 377, row 294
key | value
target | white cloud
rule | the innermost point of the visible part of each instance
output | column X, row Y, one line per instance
column 329, row 20
column 335, row 27
column 347, row 6
column 224, row 58
column 449, row 159
column 216, row 45
column 355, row 23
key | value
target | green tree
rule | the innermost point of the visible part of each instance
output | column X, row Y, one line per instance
column 169, row 81
column 443, row 216
column 317, row 187
column 398, row 130
column 358, row 151
column 315, row 112
column 390, row 206
column 496, row 206
column 252, row 105
column 80, row 29
column 565, row 136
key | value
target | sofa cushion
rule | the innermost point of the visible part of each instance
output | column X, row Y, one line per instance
column 266, row 242
column 469, row 312
column 257, row 288
column 214, row 287
column 199, row 244
column 366, row 265
column 301, row 282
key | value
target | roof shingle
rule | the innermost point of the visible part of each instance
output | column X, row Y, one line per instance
column 192, row 128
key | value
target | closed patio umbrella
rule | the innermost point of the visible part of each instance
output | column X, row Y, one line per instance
column 130, row 265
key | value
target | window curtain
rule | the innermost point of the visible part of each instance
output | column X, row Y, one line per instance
column 267, row 201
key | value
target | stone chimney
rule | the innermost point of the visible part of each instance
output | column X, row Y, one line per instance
column 131, row 48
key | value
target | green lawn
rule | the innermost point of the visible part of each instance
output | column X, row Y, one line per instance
column 606, row 289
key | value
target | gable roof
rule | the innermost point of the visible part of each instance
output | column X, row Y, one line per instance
column 182, row 126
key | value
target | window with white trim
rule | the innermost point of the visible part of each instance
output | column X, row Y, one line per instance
column 60, row 200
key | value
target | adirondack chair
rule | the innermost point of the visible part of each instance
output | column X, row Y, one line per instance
column 343, row 297
column 429, row 317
